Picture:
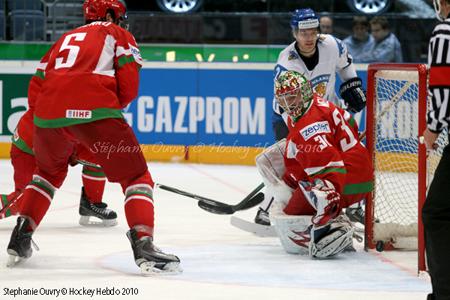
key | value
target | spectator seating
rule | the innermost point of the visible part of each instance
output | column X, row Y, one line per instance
column 24, row 5
column 27, row 25
column 26, row 20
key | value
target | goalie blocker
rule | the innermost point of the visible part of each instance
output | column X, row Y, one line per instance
column 353, row 94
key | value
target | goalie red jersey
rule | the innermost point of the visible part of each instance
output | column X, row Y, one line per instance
column 85, row 80
column 323, row 144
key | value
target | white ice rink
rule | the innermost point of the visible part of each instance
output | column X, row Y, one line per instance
column 219, row 261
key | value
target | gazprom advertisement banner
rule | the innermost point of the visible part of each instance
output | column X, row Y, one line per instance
column 209, row 104
column 203, row 107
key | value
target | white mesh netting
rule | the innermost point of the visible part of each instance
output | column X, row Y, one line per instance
column 396, row 157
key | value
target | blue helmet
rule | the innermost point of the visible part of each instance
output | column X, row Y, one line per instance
column 304, row 18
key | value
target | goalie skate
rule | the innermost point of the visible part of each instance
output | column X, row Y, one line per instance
column 150, row 259
column 19, row 247
column 262, row 217
column 95, row 214
column 355, row 214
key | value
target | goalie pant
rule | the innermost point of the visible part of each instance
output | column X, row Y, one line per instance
column 24, row 164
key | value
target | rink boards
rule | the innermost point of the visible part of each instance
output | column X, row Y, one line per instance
column 184, row 112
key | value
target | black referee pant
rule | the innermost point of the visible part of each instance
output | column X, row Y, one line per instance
column 436, row 221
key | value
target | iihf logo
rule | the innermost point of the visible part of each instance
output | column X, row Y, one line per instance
column 78, row 114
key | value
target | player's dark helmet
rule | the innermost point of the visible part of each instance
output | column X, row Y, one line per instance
column 304, row 18
column 293, row 93
column 96, row 10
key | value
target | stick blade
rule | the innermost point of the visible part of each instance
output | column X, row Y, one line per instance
column 215, row 207
column 256, row 229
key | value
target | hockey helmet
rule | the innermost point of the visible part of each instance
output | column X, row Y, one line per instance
column 293, row 93
column 96, row 10
column 304, row 18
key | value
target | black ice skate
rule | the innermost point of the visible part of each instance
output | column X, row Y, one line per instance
column 150, row 259
column 262, row 217
column 355, row 214
column 19, row 247
column 98, row 211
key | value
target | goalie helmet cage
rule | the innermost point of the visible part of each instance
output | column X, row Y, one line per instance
column 396, row 116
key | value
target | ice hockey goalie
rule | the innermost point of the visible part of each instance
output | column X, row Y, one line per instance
column 317, row 171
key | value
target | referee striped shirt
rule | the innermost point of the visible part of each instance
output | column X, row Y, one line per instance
column 439, row 81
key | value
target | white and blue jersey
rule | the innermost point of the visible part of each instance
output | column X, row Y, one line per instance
column 333, row 57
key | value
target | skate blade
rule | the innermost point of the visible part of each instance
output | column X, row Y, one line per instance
column 148, row 269
column 90, row 221
column 13, row 259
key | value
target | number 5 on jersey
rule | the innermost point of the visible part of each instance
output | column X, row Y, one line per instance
column 73, row 50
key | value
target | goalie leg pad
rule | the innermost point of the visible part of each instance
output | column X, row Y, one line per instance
column 331, row 239
column 294, row 233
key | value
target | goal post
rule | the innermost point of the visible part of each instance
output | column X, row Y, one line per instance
column 396, row 117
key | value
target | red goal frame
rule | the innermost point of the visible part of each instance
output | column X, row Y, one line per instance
column 421, row 69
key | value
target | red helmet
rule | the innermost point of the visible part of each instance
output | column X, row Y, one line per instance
column 95, row 10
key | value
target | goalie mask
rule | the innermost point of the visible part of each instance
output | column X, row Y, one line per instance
column 293, row 93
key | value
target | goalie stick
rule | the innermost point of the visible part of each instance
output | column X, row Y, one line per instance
column 255, row 228
column 217, row 207
column 269, row 231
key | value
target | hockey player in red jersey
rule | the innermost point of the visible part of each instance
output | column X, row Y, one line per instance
column 93, row 178
column 326, row 168
column 22, row 159
column 92, row 73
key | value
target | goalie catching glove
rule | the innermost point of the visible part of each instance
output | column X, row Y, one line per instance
column 353, row 94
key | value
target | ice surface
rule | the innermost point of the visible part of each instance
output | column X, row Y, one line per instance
column 219, row 261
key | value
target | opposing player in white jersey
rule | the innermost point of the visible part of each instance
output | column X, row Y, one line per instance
column 318, row 57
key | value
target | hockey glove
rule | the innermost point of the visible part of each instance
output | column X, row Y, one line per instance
column 323, row 197
column 353, row 94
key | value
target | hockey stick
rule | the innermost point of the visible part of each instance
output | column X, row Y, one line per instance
column 394, row 100
column 217, row 207
column 210, row 205
column 10, row 203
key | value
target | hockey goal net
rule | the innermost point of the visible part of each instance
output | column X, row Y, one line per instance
column 396, row 116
